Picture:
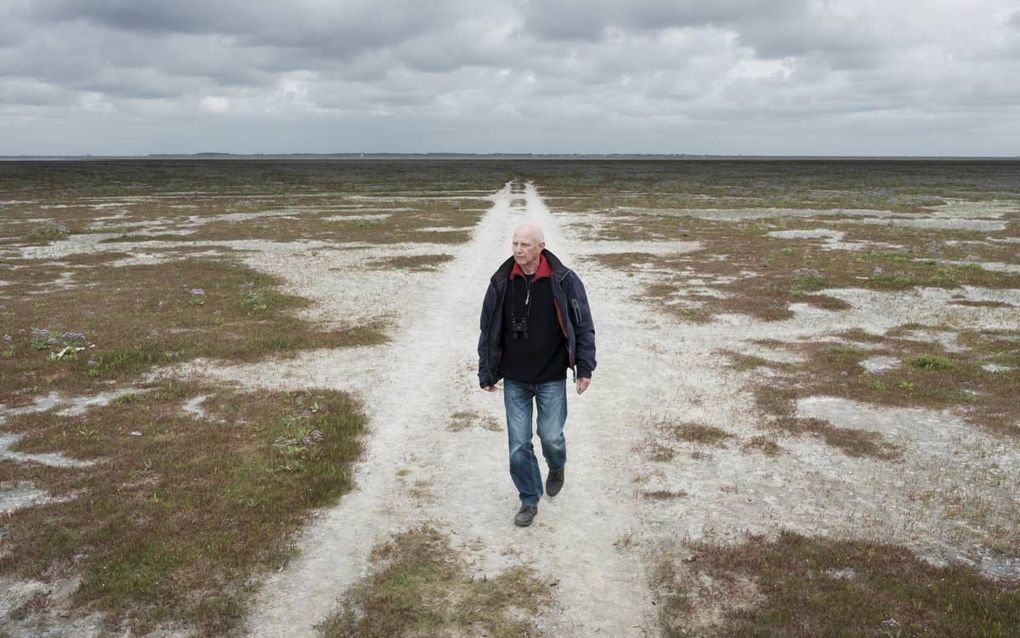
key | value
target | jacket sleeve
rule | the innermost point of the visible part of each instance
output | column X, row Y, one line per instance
column 584, row 327
column 484, row 365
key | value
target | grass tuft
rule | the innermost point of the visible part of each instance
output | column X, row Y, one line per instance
column 421, row 587
column 763, row 444
column 932, row 362
column 696, row 433
column 50, row 231
column 803, row 587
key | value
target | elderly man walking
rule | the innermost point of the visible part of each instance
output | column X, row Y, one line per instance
column 535, row 325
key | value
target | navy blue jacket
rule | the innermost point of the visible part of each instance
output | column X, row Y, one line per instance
column 572, row 311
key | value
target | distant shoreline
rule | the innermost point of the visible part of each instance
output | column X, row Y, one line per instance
column 492, row 156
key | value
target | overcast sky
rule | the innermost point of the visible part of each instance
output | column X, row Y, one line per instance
column 773, row 77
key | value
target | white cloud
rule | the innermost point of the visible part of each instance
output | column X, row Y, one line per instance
column 214, row 104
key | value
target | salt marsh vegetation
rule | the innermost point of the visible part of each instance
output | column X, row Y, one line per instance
column 239, row 397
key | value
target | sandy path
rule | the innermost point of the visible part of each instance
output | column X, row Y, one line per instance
column 416, row 468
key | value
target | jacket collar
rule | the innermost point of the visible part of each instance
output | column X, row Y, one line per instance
column 544, row 271
column 556, row 267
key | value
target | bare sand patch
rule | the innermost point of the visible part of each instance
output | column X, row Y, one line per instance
column 22, row 494
column 936, row 223
column 814, row 233
column 367, row 217
column 880, row 364
column 987, row 265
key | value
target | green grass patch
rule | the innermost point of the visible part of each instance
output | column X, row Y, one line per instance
column 50, row 231
column 180, row 513
column 934, row 379
column 762, row 276
column 421, row 587
column 132, row 318
column 803, row 587
column 932, row 362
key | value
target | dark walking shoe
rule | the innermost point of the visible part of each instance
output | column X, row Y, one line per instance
column 554, row 483
column 525, row 515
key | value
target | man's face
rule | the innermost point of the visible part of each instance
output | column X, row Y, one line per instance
column 527, row 250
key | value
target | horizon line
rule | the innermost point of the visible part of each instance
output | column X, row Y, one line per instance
column 212, row 155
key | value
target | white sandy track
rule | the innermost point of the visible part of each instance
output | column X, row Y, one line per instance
column 416, row 469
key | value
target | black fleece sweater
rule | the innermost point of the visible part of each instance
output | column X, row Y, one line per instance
column 542, row 357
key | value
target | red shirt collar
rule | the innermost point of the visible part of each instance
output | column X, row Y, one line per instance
column 543, row 269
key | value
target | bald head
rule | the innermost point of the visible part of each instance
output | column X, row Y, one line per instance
column 530, row 230
column 529, row 240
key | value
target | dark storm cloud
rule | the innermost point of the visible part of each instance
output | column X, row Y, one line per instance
column 341, row 28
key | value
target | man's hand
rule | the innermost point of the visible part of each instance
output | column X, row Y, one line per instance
column 489, row 388
column 582, row 384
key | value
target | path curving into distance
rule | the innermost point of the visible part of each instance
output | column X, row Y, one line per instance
column 417, row 468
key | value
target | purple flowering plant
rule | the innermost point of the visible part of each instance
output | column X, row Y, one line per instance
column 69, row 343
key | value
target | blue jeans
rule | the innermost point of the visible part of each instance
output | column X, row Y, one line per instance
column 551, row 399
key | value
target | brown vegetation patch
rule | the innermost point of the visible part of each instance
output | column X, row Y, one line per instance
column 412, row 262
column 761, row 275
column 663, row 446
column 400, row 227
column 804, row 587
column 288, row 200
column 687, row 186
column 979, row 304
column 421, row 587
column 465, row 420
column 695, row 433
column 137, row 238
column 740, row 361
column 660, row 453
column 763, row 444
column 629, row 262
column 663, row 495
column 116, row 322
column 181, row 512
column 932, row 377
column 852, row 441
